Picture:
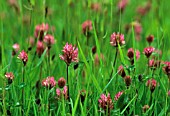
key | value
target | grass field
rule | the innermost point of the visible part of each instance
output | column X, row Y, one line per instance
column 73, row 57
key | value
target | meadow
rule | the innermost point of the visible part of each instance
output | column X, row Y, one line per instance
column 84, row 57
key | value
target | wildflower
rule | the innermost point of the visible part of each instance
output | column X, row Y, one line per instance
column 97, row 60
column 122, row 4
column 40, row 48
column 61, row 82
column 150, row 39
column 148, row 51
column 121, row 71
column 94, row 49
column 23, row 56
column 86, row 27
column 127, row 80
column 9, row 76
column 117, row 96
column 151, row 83
column 116, row 39
column 49, row 82
column 70, row 54
column 166, row 69
column 130, row 54
column 169, row 93
column 16, row 48
column 40, row 30
column 145, row 108
column 49, row 40
column 105, row 102
column 137, row 29
column 143, row 10
column 95, row 7
column 61, row 92
column 31, row 41
column 154, row 64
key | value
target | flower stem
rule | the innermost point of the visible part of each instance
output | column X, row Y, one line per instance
column 68, row 89
column 114, row 63
column 23, row 91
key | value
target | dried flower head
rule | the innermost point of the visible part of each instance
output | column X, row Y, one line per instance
column 117, row 96
column 116, row 39
column 49, row 82
column 40, row 48
column 105, row 102
column 150, row 39
column 70, row 54
column 121, row 71
column 49, row 40
column 86, row 27
column 16, row 48
column 40, row 30
column 127, row 80
column 23, row 56
column 61, row 82
column 151, row 83
column 62, row 92
column 145, row 108
column 148, row 51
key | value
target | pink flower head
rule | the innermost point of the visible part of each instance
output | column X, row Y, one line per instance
column 121, row 71
column 70, row 54
column 137, row 29
column 40, row 30
column 16, row 48
column 96, row 7
column 130, row 54
column 122, row 4
column 105, row 102
column 143, row 10
column 169, row 93
column 9, row 75
column 154, row 64
column 117, row 96
column 49, row 82
column 166, row 68
column 49, row 39
column 116, row 39
column 61, row 92
column 87, row 26
column 31, row 41
column 151, row 83
column 150, row 39
column 40, row 48
column 148, row 51
column 97, row 60
column 23, row 56
column 61, row 82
